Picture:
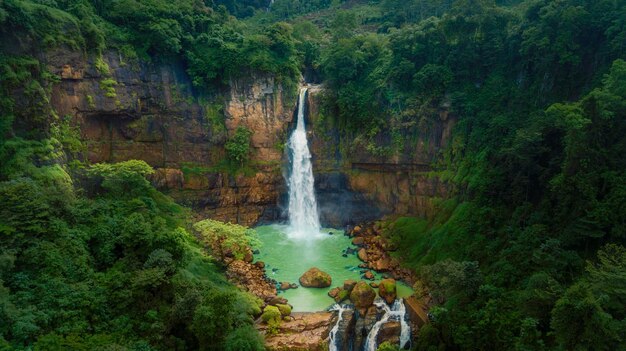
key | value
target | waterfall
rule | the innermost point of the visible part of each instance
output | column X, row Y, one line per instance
column 396, row 312
column 303, row 217
column 332, row 342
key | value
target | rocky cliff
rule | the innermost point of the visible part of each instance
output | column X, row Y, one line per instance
column 354, row 186
column 151, row 112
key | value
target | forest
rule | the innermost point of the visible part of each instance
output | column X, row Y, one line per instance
column 528, row 251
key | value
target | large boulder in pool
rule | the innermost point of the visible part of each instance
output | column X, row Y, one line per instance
column 387, row 290
column 362, row 295
column 314, row 278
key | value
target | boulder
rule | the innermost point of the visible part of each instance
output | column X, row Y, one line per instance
column 341, row 295
column 275, row 300
column 334, row 292
column 260, row 264
column 374, row 285
column 369, row 275
column 358, row 241
column 348, row 285
column 315, row 278
column 362, row 296
column 356, row 230
column 387, row 290
column 293, row 286
column 285, row 286
column 362, row 255
column 381, row 265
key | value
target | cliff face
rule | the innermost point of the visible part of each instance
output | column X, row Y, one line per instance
column 150, row 112
column 354, row 186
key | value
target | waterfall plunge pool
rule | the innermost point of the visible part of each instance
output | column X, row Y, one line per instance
column 288, row 257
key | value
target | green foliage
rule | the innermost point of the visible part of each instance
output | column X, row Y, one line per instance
column 126, row 178
column 387, row 346
column 226, row 238
column 271, row 313
column 285, row 310
column 238, row 146
column 111, row 271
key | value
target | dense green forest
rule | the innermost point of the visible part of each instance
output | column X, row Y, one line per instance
column 527, row 253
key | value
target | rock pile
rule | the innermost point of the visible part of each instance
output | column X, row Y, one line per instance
column 374, row 251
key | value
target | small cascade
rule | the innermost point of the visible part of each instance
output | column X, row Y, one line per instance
column 332, row 338
column 397, row 312
column 303, row 216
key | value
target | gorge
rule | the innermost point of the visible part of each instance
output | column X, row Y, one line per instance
column 249, row 175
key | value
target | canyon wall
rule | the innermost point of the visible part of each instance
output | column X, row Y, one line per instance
column 152, row 112
column 354, row 186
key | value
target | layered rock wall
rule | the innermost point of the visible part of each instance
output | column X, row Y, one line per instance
column 355, row 186
column 152, row 112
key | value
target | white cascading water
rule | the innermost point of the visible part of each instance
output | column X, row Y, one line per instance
column 303, row 217
column 332, row 343
column 396, row 312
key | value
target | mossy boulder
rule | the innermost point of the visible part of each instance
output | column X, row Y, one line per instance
column 285, row 310
column 315, row 278
column 362, row 295
column 387, row 290
column 270, row 313
column 342, row 295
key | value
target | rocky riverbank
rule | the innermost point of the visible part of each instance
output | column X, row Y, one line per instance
column 374, row 251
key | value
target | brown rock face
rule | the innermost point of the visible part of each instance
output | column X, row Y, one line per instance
column 249, row 277
column 315, row 278
column 304, row 331
column 369, row 185
column 155, row 115
column 389, row 331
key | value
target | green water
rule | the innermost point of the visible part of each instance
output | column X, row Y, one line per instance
column 288, row 258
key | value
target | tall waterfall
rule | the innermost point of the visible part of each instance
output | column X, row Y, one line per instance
column 303, row 217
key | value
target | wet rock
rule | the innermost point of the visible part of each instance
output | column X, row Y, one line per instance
column 333, row 292
column 260, row 264
column 358, row 241
column 362, row 296
column 356, row 230
column 390, row 332
column 362, row 255
column 256, row 252
column 366, row 319
column 276, row 300
column 341, row 296
column 315, row 278
column 348, row 285
column 381, row 265
column 285, row 286
column 369, row 275
column 345, row 330
column 293, row 286
column 387, row 290
column 374, row 285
